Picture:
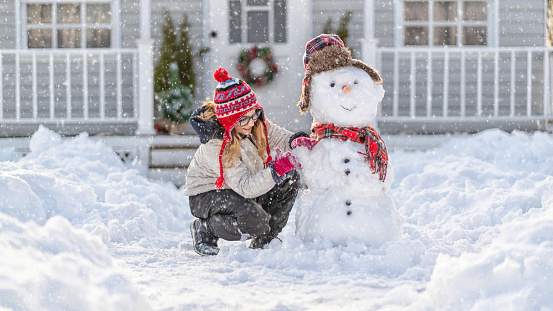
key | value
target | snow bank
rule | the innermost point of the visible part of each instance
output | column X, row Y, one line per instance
column 48, row 197
column 55, row 267
column 478, row 235
column 514, row 272
column 483, row 207
column 8, row 154
column 87, row 183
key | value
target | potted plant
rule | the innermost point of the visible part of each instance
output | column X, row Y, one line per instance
column 175, row 104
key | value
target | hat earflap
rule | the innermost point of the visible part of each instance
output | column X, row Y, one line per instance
column 305, row 100
column 375, row 76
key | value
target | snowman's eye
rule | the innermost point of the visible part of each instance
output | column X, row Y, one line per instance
column 332, row 84
column 355, row 82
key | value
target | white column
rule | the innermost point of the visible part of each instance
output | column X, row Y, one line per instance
column 145, row 72
column 145, row 87
column 145, row 19
column 206, row 59
column 369, row 42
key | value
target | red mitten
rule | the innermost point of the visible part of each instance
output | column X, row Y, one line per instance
column 303, row 142
column 285, row 162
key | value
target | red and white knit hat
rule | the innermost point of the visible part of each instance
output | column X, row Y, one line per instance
column 233, row 99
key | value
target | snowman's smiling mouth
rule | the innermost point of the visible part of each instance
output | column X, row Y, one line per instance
column 350, row 109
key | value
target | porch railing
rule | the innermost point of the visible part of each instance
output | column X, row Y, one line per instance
column 465, row 84
column 92, row 86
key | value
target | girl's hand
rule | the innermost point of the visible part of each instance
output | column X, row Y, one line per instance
column 285, row 162
column 303, row 142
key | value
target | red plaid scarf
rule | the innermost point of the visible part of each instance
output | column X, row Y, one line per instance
column 376, row 153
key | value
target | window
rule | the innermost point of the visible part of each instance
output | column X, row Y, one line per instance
column 257, row 21
column 68, row 25
column 438, row 23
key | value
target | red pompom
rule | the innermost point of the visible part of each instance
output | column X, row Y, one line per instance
column 220, row 183
column 221, row 75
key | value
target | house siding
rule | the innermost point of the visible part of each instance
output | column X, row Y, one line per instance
column 70, row 103
column 7, row 23
column 130, row 23
column 68, row 96
column 454, row 85
column 335, row 9
column 76, row 101
column 384, row 22
column 129, row 27
column 522, row 23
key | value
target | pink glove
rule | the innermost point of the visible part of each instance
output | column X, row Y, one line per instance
column 285, row 162
column 303, row 142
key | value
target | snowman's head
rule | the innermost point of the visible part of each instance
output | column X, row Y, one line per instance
column 337, row 88
column 346, row 96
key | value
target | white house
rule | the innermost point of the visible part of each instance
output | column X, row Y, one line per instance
column 448, row 66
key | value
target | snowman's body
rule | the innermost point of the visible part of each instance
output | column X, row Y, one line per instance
column 346, row 199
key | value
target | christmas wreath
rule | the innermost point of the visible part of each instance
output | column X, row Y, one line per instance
column 176, row 103
column 257, row 66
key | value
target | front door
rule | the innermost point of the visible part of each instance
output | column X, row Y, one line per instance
column 281, row 25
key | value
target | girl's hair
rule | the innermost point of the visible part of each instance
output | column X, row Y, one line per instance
column 232, row 149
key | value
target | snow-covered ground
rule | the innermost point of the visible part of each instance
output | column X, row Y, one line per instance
column 79, row 230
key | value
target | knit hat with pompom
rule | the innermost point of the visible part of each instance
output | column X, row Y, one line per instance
column 233, row 99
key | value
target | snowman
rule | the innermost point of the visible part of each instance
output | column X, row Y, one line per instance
column 345, row 162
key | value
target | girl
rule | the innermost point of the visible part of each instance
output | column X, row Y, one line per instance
column 235, row 188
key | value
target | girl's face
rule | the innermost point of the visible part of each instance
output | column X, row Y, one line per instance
column 247, row 122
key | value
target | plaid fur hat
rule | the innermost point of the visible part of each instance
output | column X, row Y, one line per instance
column 327, row 52
column 233, row 99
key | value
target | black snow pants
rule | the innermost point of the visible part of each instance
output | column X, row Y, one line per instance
column 232, row 217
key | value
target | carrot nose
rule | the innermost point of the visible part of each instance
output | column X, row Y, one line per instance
column 346, row 88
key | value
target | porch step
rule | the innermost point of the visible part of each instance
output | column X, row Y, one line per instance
column 169, row 157
column 169, row 162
